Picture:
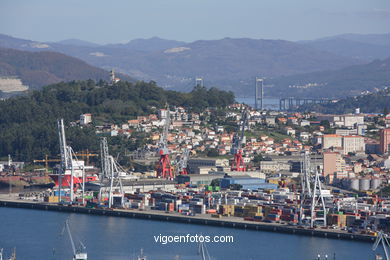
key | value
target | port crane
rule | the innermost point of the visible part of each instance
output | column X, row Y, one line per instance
column 311, row 194
column 111, row 171
column 68, row 164
column 85, row 155
column 164, row 169
column 182, row 163
column 78, row 254
column 46, row 161
column 382, row 238
column 82, row 154
column 238, row 164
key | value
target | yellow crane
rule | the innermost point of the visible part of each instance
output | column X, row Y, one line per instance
column 46, row 161
column 85, row 155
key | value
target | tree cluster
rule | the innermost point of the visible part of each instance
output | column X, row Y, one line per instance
column 28, row 123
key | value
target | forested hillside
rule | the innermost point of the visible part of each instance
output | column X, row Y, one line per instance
column 28, row 123
column 37, row 69
column 349, row 81
column 377, row 102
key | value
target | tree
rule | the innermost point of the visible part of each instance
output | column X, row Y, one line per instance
column 325, row 123
column 28, row 122
column 212, row 152
column 215, row 182
column 258, row 158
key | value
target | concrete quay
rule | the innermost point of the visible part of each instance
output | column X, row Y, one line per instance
column 227, row 222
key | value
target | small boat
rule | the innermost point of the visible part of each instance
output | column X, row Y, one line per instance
column 141, row 256
column 382, row 239
column 13, row 256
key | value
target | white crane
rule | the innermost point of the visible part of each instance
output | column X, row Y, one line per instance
column 382, row 238
column 78, row 254
column 111, row 171
column 311, row 193
column 68, row 164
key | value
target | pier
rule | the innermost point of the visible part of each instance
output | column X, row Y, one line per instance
column 229, row 222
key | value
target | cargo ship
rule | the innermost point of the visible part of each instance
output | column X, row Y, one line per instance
column 78, row 169
column 25, row 181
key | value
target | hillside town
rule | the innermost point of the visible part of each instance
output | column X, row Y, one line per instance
column 349, row 150
column 241, row 163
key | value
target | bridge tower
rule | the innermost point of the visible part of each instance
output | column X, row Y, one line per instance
column 259, row 93
column 199, row 81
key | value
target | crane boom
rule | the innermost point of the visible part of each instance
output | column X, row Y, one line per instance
column 164, row 168
column 65, row 156
column 238, row 138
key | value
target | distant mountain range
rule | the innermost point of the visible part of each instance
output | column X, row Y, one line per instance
column 37, row 69
column 77, row 42
column 232, row 64
column 227, row 63
column 148, row 45
column 365, row 47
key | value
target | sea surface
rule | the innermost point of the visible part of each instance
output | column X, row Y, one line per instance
column 37, row 234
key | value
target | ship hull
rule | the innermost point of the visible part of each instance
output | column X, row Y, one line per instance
column 66, row 179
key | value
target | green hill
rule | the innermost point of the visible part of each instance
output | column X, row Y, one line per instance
column 37, row 69
column 28, row 122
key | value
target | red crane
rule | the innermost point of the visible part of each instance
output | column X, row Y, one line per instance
column 238, row 164
column 164, row 169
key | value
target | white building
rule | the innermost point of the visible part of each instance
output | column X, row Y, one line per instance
column 348, row 121
column 353, row 144
column 331, row 140
column 85, row 119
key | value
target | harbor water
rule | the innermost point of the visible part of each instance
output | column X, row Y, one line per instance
column 36, row 234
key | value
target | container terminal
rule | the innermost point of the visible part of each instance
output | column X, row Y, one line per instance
column 233, row 196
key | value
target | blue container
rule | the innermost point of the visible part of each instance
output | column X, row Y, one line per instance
column 56, row 193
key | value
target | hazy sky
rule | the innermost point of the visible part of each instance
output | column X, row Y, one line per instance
column 111, row 21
